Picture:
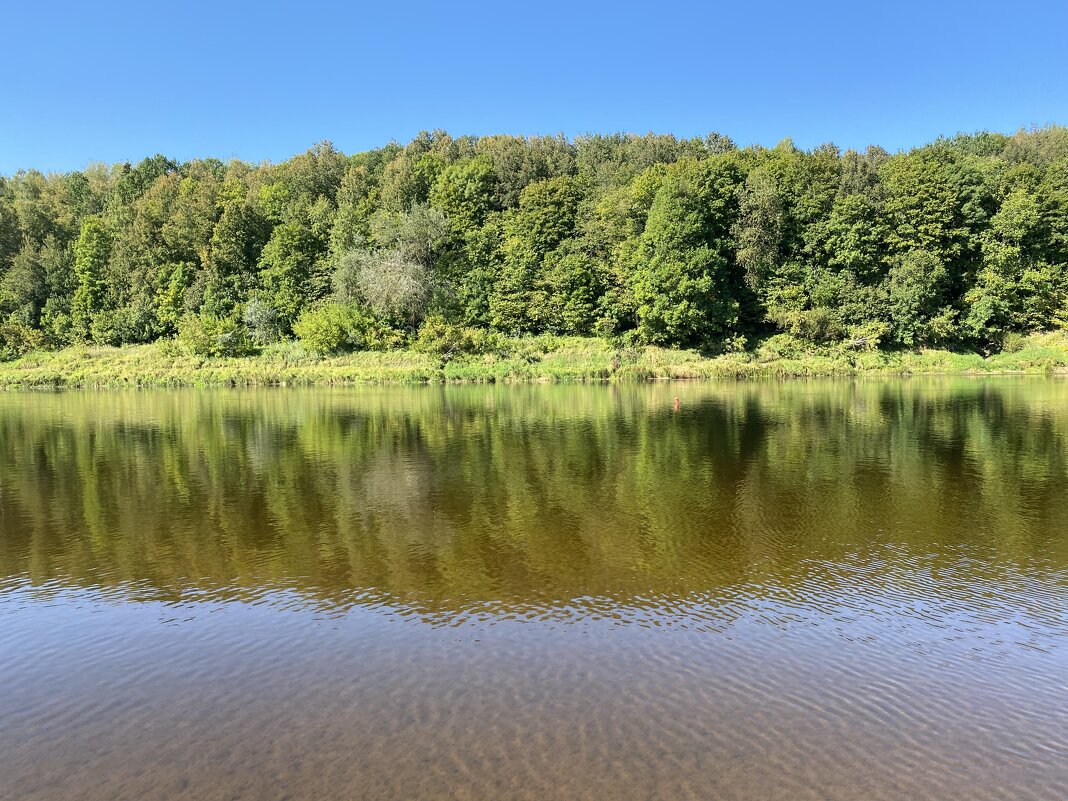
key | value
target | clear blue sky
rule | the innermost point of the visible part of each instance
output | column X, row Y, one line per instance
column 110, row 81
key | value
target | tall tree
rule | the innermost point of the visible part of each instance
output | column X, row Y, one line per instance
column 685, row 284
column 91, row 253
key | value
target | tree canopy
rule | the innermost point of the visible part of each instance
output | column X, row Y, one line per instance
column 651, row 239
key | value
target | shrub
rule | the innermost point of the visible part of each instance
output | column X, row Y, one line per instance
column 57, row 326
column 867, row 336
column 624, row 356
column 449, row 339
column 207, row 335
column 1013, row 342
column 819, row 325
column 328, row 328
column 736, row 343
column 1060, row 319
column 123, row 326
column 134, row 323
column 381, row 337
column 102, row 328
column 943, row 328
column 524, row 350
column 18, row 339
column 337, row 328
column 262, row 321
column 782, row 346
column 388, row 282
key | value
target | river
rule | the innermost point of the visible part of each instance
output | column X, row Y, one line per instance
column 767, row 591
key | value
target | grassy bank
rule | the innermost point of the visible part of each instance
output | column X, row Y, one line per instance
column 536, row 359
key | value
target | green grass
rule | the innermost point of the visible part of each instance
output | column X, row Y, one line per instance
column 551, row 359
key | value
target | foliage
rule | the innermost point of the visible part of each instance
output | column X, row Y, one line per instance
column 647, row 240
column 683, row 279
column 392, row 286
column 206, row 335
column 445, row 339
column 329, row 328
column 17, row 339
column 91, row 253
column 287, row 270
column 262, row 321
column 917, row 286
column 463, row 354
column 332, row 327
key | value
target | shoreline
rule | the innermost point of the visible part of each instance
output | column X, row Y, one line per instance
column 538, row 360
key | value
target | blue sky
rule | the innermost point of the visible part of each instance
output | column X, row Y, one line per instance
column 110, row 81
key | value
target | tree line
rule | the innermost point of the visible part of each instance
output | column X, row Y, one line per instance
column 646, row 239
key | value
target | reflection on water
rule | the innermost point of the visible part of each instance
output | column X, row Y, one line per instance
column 799, row 590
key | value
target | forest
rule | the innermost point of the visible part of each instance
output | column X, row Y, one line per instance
column 461, row 242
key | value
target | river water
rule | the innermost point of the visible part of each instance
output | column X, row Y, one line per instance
column 799, row 590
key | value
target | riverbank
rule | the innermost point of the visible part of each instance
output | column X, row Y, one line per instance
column 537, row 359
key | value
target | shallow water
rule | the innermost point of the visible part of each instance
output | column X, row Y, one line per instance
column 803, row 590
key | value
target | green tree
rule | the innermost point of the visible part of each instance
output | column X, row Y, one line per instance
column 466, row 193
column 288, row 275
column 566, row 297
column 1016, row 289
column 91, row 253
column 916, row 289
column 10, row 233
column 237, row 243
column 519, row 162
column 685, row 284
column 651, row 237
column 24, row 287
column 544, row 219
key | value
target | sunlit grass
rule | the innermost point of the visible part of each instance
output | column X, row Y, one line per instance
column 534, row 359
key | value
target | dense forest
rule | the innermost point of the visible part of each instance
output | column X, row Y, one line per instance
column 642, row 239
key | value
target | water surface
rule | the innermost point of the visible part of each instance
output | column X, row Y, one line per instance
column 802, row 590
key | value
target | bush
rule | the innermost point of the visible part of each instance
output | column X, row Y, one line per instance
column 943, row 328
column 206, row 335
column 262, row 321
column 1060, row 319
column 338, row 328
column 388, row 282
column 102, row 328
column 782, row 346
column 381, row 337
column 123, row 326
column 18, row 339
column 135, row 323
column 524, row 350
column 57, row 326
column 736, row 343
column 867, row 336
column 449, row 339
column 1013, row 342
column 328, row 328
column 819, row 325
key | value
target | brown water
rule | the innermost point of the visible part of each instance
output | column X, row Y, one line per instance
column 778, row 591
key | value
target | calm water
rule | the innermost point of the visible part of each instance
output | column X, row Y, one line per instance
column 782, row 591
